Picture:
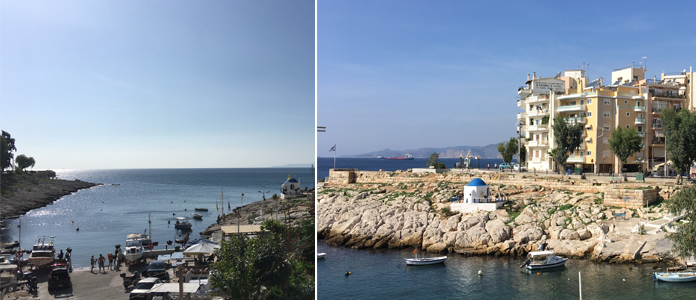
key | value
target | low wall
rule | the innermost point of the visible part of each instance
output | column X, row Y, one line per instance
column 472, row 207
column 629, row 198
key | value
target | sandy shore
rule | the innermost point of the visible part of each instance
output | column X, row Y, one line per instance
column 85, row 285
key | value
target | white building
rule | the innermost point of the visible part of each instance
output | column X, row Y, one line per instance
column 290, row 188
column 476, row 197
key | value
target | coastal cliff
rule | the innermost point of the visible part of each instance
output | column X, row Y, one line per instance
column 574, row 217
column 22, row 192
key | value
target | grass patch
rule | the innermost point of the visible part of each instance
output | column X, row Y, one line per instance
column 565, row 206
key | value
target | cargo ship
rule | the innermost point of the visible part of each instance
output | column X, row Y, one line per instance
column 405, row 157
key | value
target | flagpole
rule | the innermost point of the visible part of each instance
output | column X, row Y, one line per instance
column 334, row 158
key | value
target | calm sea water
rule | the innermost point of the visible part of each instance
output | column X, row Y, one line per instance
column 106, row 214
column 375, row 164
column 382, row 274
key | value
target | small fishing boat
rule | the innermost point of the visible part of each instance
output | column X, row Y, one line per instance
column 543, row 260
column 43, row 254
column 200, row 209
column 321, row 255
column 197, row 216
column 182, row 223
column 424, row 260
column 136, row 244
column 674, row 277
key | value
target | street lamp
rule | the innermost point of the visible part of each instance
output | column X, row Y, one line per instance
column 478, row 161
column 461, row 161
column 264, row 193
column 468, row 160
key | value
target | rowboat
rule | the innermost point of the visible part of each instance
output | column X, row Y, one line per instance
column 200, row 209
column 197, row 216
column 674, row 277
column 182, row 223
column 424, row 260
column 321, row 255
column 543, row 260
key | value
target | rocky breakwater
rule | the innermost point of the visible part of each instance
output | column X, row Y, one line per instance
column 399, row 215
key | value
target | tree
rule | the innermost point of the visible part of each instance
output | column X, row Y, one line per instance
column 507, row 150
column 24, row 162
column 567, row 137
column 684, row 202
column 625, row 143
column 7, row 146
column 433, row 159
column 680, row 137
column 523, row 154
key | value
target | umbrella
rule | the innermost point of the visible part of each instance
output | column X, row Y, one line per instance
column 201, row 248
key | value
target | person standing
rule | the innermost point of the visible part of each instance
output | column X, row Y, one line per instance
column 489, row 166
column 110, row 257
column 92, row 261
column 101, row 263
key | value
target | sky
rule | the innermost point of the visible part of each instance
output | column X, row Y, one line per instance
column 413, row 74
column 159, row 84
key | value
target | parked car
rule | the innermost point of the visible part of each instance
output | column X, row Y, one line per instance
column 504, row 166
column 516, row 167
column 142, row 288
column 158, row 269
column 59, row 276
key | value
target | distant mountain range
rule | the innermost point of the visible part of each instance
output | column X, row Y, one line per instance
column 487, row 152
column 294, row 166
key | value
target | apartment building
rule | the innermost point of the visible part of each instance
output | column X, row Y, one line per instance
column 629, row 101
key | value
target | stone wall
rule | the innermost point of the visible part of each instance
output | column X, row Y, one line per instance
column 342, row 176
column 629, row 198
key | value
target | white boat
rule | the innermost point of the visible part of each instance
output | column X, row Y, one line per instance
column 42, row 254
column 424, row 260
column 543, row 260
column 197, row 216
column 135, row 246
column 182, row 223
column 321, row 255
column 675, row 276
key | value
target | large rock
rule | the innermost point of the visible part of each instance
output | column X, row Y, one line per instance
column 568, row 234
column 498, row 231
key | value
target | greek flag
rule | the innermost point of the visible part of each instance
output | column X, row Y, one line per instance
column 333, row 148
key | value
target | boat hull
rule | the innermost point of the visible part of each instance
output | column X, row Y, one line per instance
column 425, row 261
column 557, row 264
column 675, row 277
column 39, row 262
column 321, row 255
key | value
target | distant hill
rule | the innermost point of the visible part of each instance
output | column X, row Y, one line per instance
column 487, row 152
column 293, row 166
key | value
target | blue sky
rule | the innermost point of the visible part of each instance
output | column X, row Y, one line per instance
column 412, row 74
column 158, row 84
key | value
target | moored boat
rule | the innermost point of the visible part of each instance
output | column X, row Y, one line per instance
column 182, row 223
column 321, row 255
column 674, row 277
column 135, row 246
column 197, row 216
column 416, row 261
column 42, row 254
column 200, row 209
column 543, row 260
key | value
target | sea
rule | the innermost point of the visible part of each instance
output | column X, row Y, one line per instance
column 125, row 202
column 383, row 274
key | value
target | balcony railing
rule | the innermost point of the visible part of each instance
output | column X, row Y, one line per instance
column 540, row 127
column 639, row 121
column 580, row 120
column 656, row 125
column 641, row 134
column 520, row 116
column 576, row 159
column 570, row 108
column 658, row 142
column 538, row 112
column 639, row 108
column 537, row 143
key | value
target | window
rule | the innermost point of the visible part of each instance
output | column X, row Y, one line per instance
column 637, row 103
column 582, row 153
column 589, row 153
column 605, row 154
column 606, row 140
column 589, row 113
column 607, row 102
column 582, row 101
column 536, row 153
column 627, row 127
column 606, row 128
column 589, row 101
column 625, row 101
column 606, row 114
column 628, row 114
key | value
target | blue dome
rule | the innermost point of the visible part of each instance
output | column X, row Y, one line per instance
column 291, row 180
column 477, row 182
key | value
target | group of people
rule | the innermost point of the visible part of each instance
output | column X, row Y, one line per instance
column 101, row 261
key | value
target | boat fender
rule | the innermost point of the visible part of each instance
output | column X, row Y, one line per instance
column 480, row 273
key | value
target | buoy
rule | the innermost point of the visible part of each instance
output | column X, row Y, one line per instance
column 624, row 279
column 537, row 273
column 185, row 209
column 72, row 222
column 173, row 214
column 348, row 273
column 480, row 272
column 77, row 229
column 169, row 221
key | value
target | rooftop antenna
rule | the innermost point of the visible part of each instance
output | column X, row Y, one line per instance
column 645, row 62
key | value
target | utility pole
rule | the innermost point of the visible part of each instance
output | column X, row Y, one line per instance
column 239, row 213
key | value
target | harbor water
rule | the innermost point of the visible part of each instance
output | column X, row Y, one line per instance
column 106, row 214
column 383, row 274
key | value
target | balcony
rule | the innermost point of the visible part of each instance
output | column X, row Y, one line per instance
column 575, row 159
column 659, row 134
column 657, row 125
column 521, row 116
column 639, row 121
column 571, row 108
column 641, row 134
column 639, row 108
column 538, row 112
column 580, row 120
column 537, row 143
column 582, row 146
column 541, row 127
column 537, row 99
column 669, row 97
column 657, row 143
column 521, row 104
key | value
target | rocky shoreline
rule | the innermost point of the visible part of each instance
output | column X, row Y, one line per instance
column 24, row 192
column 575, row 217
